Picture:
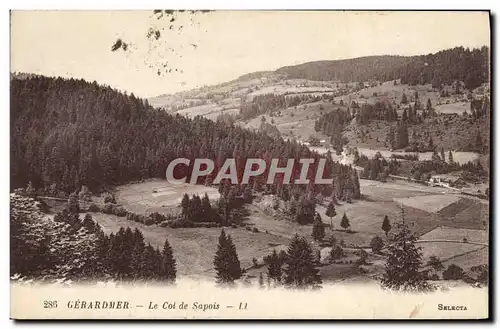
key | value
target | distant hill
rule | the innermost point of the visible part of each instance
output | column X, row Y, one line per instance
column 444, row 67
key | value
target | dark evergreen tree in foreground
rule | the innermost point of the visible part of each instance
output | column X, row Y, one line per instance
column 168, row 267
column 301, row 267
column 274, row 266
column 404, row 263
column 226, row 262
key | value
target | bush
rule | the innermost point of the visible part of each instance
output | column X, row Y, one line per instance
column 108, row 208
column 94, row 208
column 453, row 272
column 109, row 198
column 149, row 221
column 255, row 230
column 119, row 211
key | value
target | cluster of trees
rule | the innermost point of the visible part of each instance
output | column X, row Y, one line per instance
column 198, row 209
column 381, row 110
column 377, row 168
column 69, row 247
column 443, row 67
column 332, row 124
column 455, row 272
column 480, row 108
column 268, row 103
column 70, row 131
column 439, row 165
column 296, row 268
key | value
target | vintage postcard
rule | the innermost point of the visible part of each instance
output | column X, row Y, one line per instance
column 200, row 164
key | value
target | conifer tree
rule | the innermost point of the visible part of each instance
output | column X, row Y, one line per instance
column 274, row 266
column 137, row 253
column 404, row 99
column 450, row 158
column 226, row 262
column 330, row 212
column 344, row 222
column 186, row 207
column 73, row 204
column 301, row 267
column 403, row 264
column 386, row 225
column 168, row 268
column 318, row 230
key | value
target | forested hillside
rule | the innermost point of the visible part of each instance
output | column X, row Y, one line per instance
column 72, row 133
column 444, row 67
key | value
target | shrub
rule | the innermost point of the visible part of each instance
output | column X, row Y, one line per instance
column 119, row 211
column 108, row 208
column 94, row 208
column 109, row 198
column 453, row 272
column 255, row 230
column 149, row 221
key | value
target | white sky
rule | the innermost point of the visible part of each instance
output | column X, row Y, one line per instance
column 229, row 43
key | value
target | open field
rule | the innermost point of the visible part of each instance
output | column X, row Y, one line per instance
column 475, row 258
column 457, row 108
column 429, row 203
column 457, row 234
column 446, row 250
column 156, row 195
column 194, row 248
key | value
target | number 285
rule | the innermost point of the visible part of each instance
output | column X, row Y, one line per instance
column 50, row 304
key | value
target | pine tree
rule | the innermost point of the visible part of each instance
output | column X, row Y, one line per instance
column 386, row 225
column 479, row 142
column 301, row 267
column 149, row 265
column 73, row 204
column 186, row 207
column 137, row 252
column 168, row 268
column 404, row 262
column 274, row 266
column 226, row 262
column 443, row 157
column 356, row 187
column 404, row 99
column 428, row 106
column 450, row 158
column 404, row 118
column 330, row 212
column 89, row 223
column 206, row 209
column 344, row 222
column 318, row 231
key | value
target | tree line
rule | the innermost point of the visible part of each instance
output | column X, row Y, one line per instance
column 441, row 68
column 66, row 133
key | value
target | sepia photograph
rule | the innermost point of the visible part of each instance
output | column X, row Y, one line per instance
column 250, row 164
